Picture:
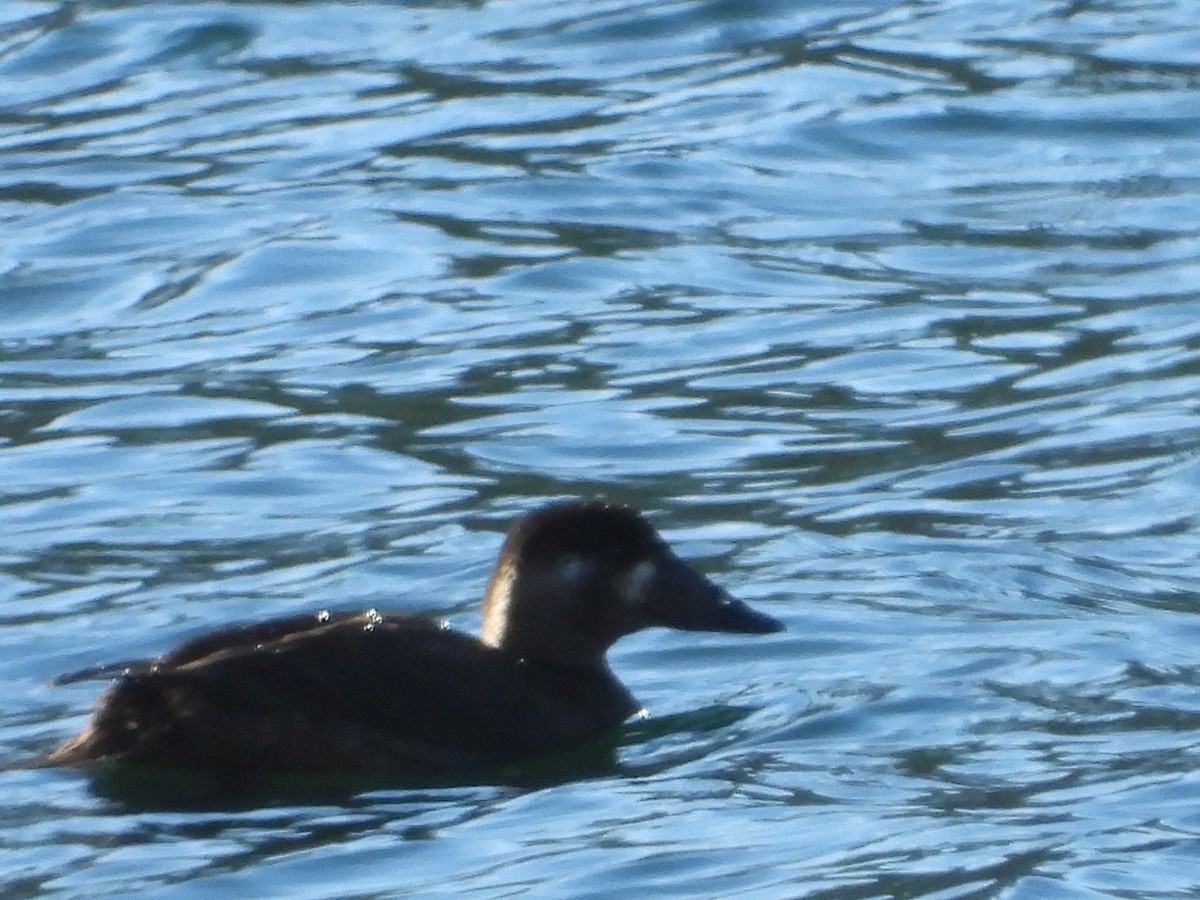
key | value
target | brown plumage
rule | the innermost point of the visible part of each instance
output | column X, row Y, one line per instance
column 397, row 693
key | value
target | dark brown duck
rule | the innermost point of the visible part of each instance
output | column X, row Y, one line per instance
column 386, row 692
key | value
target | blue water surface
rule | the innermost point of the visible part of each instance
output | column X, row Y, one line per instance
column 886, row 313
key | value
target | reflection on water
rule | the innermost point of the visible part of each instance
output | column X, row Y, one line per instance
column 886, row 312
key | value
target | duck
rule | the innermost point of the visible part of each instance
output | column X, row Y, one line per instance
column 391, row 692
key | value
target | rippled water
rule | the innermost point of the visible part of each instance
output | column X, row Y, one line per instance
column 886, row 313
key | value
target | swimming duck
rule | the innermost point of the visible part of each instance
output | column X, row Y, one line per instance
column 382, row 692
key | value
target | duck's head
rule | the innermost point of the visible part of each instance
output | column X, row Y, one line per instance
column 573, row 577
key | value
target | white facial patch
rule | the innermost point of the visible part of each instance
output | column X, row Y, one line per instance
column 574, row 569
column 632, row 588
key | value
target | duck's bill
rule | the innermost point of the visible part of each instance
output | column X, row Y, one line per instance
column 735, row 616
column 680, row 597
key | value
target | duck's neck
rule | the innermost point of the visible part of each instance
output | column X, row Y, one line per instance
column 497, row 603
column 524, row 620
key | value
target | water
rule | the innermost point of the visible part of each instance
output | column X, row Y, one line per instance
column 886, row 313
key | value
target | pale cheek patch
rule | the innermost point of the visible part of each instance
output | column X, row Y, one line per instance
column 573, row 569
column 636, row 581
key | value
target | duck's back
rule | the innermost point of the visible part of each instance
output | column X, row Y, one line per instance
column 351, row 692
